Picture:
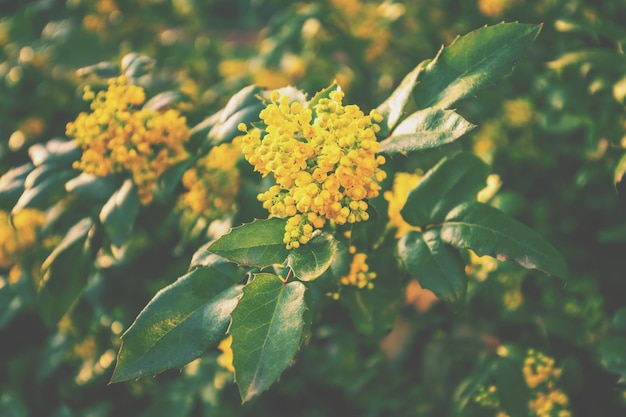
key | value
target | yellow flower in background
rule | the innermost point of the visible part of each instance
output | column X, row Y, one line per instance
column 120, row 136
column 403, row 183
column 225, row 359
column 542, row 378
column 323, row 161
column 213, row 182
column 359, row 276
column 18, row 234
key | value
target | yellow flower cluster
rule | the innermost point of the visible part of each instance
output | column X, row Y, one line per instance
column 213, row 182
column 323, row 160
column 118, row 136
column 541, row 376
column 403, row 183
column 18, row 234
column 359, row 276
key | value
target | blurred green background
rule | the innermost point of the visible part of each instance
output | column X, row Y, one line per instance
column 554, row 131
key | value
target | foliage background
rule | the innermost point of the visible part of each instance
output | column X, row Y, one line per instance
column 554, row 131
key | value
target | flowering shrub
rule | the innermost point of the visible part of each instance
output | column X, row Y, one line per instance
column 294, row 239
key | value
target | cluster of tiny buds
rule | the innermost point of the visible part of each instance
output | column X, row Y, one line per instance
column 322, row 156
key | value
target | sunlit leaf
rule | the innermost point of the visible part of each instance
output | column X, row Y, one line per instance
column 393, row 107
column 488, row 231
column 178, row 325
column 119, row 212
column 267, row 329
column 313, row 259
column 426, row 129
column 259, row 243
column 471, row 62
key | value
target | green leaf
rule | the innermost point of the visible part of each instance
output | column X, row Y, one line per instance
column 426, row 129
column 91, row 187
column 64, row 272
column 267, row 329
column 472, row 62
column 259, row 243
column 178, row 325
column 119, row 212
column 393, row 107
column 323, row 93
column 436, row 266
column 227, row 131
column 612, row 351
column 45, row 193
column 619, row 320
column 488, row 231
column 313, row 259
column 241, row 99
column 452, row 181
column 163, row 100
column 511, row 385
column 57, row 152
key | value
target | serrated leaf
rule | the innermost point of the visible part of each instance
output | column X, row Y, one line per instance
column 471, row 62
column 91, row 187
column 178, row 325
column 426, row 129
column 259, row 243
column 119, row 212
column 313, row 259
column 393, row 107
column 64, row 273
column 453, row 180
column 267, row 329
column 323, row 93
column 488, row 231
column 438, row 267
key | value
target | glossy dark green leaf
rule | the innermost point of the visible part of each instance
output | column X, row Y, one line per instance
column 488, row 231
column 426, row 129
column 453, row 180
column 135, row 65
column 228, row 130
column 267, row 329
column 101, row 69
column 438, row 267
column 393, row 107
column 619, row 320
column 119, row 212
column 178, row 325
column 243, row 98
column 64, row 272
column 313, row 259
column 45, row 193
column 91, row 187
column 168, row 182
column 259, row 243
column 57, row 152
column 471, row 62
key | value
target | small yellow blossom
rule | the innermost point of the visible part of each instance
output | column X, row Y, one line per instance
column 323, row 161
column 225, row 359
column 213, row 183
column 359, row 276
column 119, row 136
column 403, row 183
column 18, row 235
